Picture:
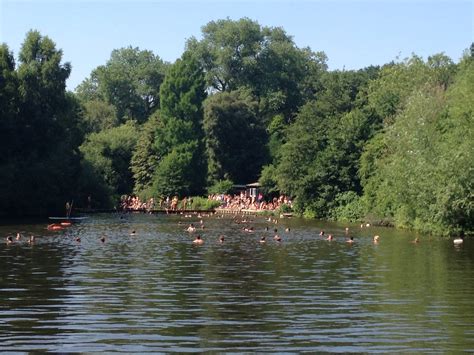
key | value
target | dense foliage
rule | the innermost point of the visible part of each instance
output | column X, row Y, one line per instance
column 39, row 129
column 234, row 138
column 418, row 171
column 129, row 82
column 244, row 103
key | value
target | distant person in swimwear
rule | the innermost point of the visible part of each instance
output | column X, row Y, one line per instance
column 221, row 239
column 263, row 240
column 330, row 237
column 350, row 240
column 376, row 239
column 198, row 240
column 191, row 228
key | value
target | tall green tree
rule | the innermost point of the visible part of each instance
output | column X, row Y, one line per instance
column 174, row 173
column 242, row 54
column 42, row 90
column 228, row 52
column 106, row 163
column 9, row 101
column 145, row 158
column 390, row 92
column 130, row 81
column 98, row 115
column 414, row 171
column 183, row 92
column 179, row 130
column 235, row 140
column 41, row 120
column 456, row 198
column 320, row 158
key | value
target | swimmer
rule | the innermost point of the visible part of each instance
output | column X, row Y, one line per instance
column 350, row 240
column 266, row 229
column 321, row 233
column 221, row 239
column 277, row 238
column 330, row 237
column 191, row 228
column 376, row 239
column 32, row 239
column 416, row 241
column 458, row 240
column 287, row 230
column 78, row 239
column 133, row 232
column 9, row 239
column 263, row 240
column 102, row 239
column 18, row 236
column 198, row 240
column 347, row 230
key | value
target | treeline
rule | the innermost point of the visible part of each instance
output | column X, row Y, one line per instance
column 244, row 103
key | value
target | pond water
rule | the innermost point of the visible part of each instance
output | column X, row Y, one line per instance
column 157, row 292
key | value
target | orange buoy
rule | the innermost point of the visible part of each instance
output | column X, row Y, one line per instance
column 54, row 226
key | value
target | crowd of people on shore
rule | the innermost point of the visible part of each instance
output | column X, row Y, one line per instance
column 235, row 202
column 133, row 203
column 243, row 201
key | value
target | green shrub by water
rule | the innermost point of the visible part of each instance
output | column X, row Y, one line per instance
column 204, row 204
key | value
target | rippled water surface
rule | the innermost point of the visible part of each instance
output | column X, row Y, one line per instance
column 156, row 292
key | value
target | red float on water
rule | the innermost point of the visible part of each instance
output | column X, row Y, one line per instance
column 54, row 226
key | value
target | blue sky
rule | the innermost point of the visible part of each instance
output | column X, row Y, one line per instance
column 353, row 34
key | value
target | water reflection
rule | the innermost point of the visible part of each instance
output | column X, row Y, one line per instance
column 155, row 291
column 32, row 291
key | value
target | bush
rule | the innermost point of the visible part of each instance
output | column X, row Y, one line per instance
column 284, row 208
column 349, row 207
column 203, row 204
column 309, row 213
column 221, row 187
